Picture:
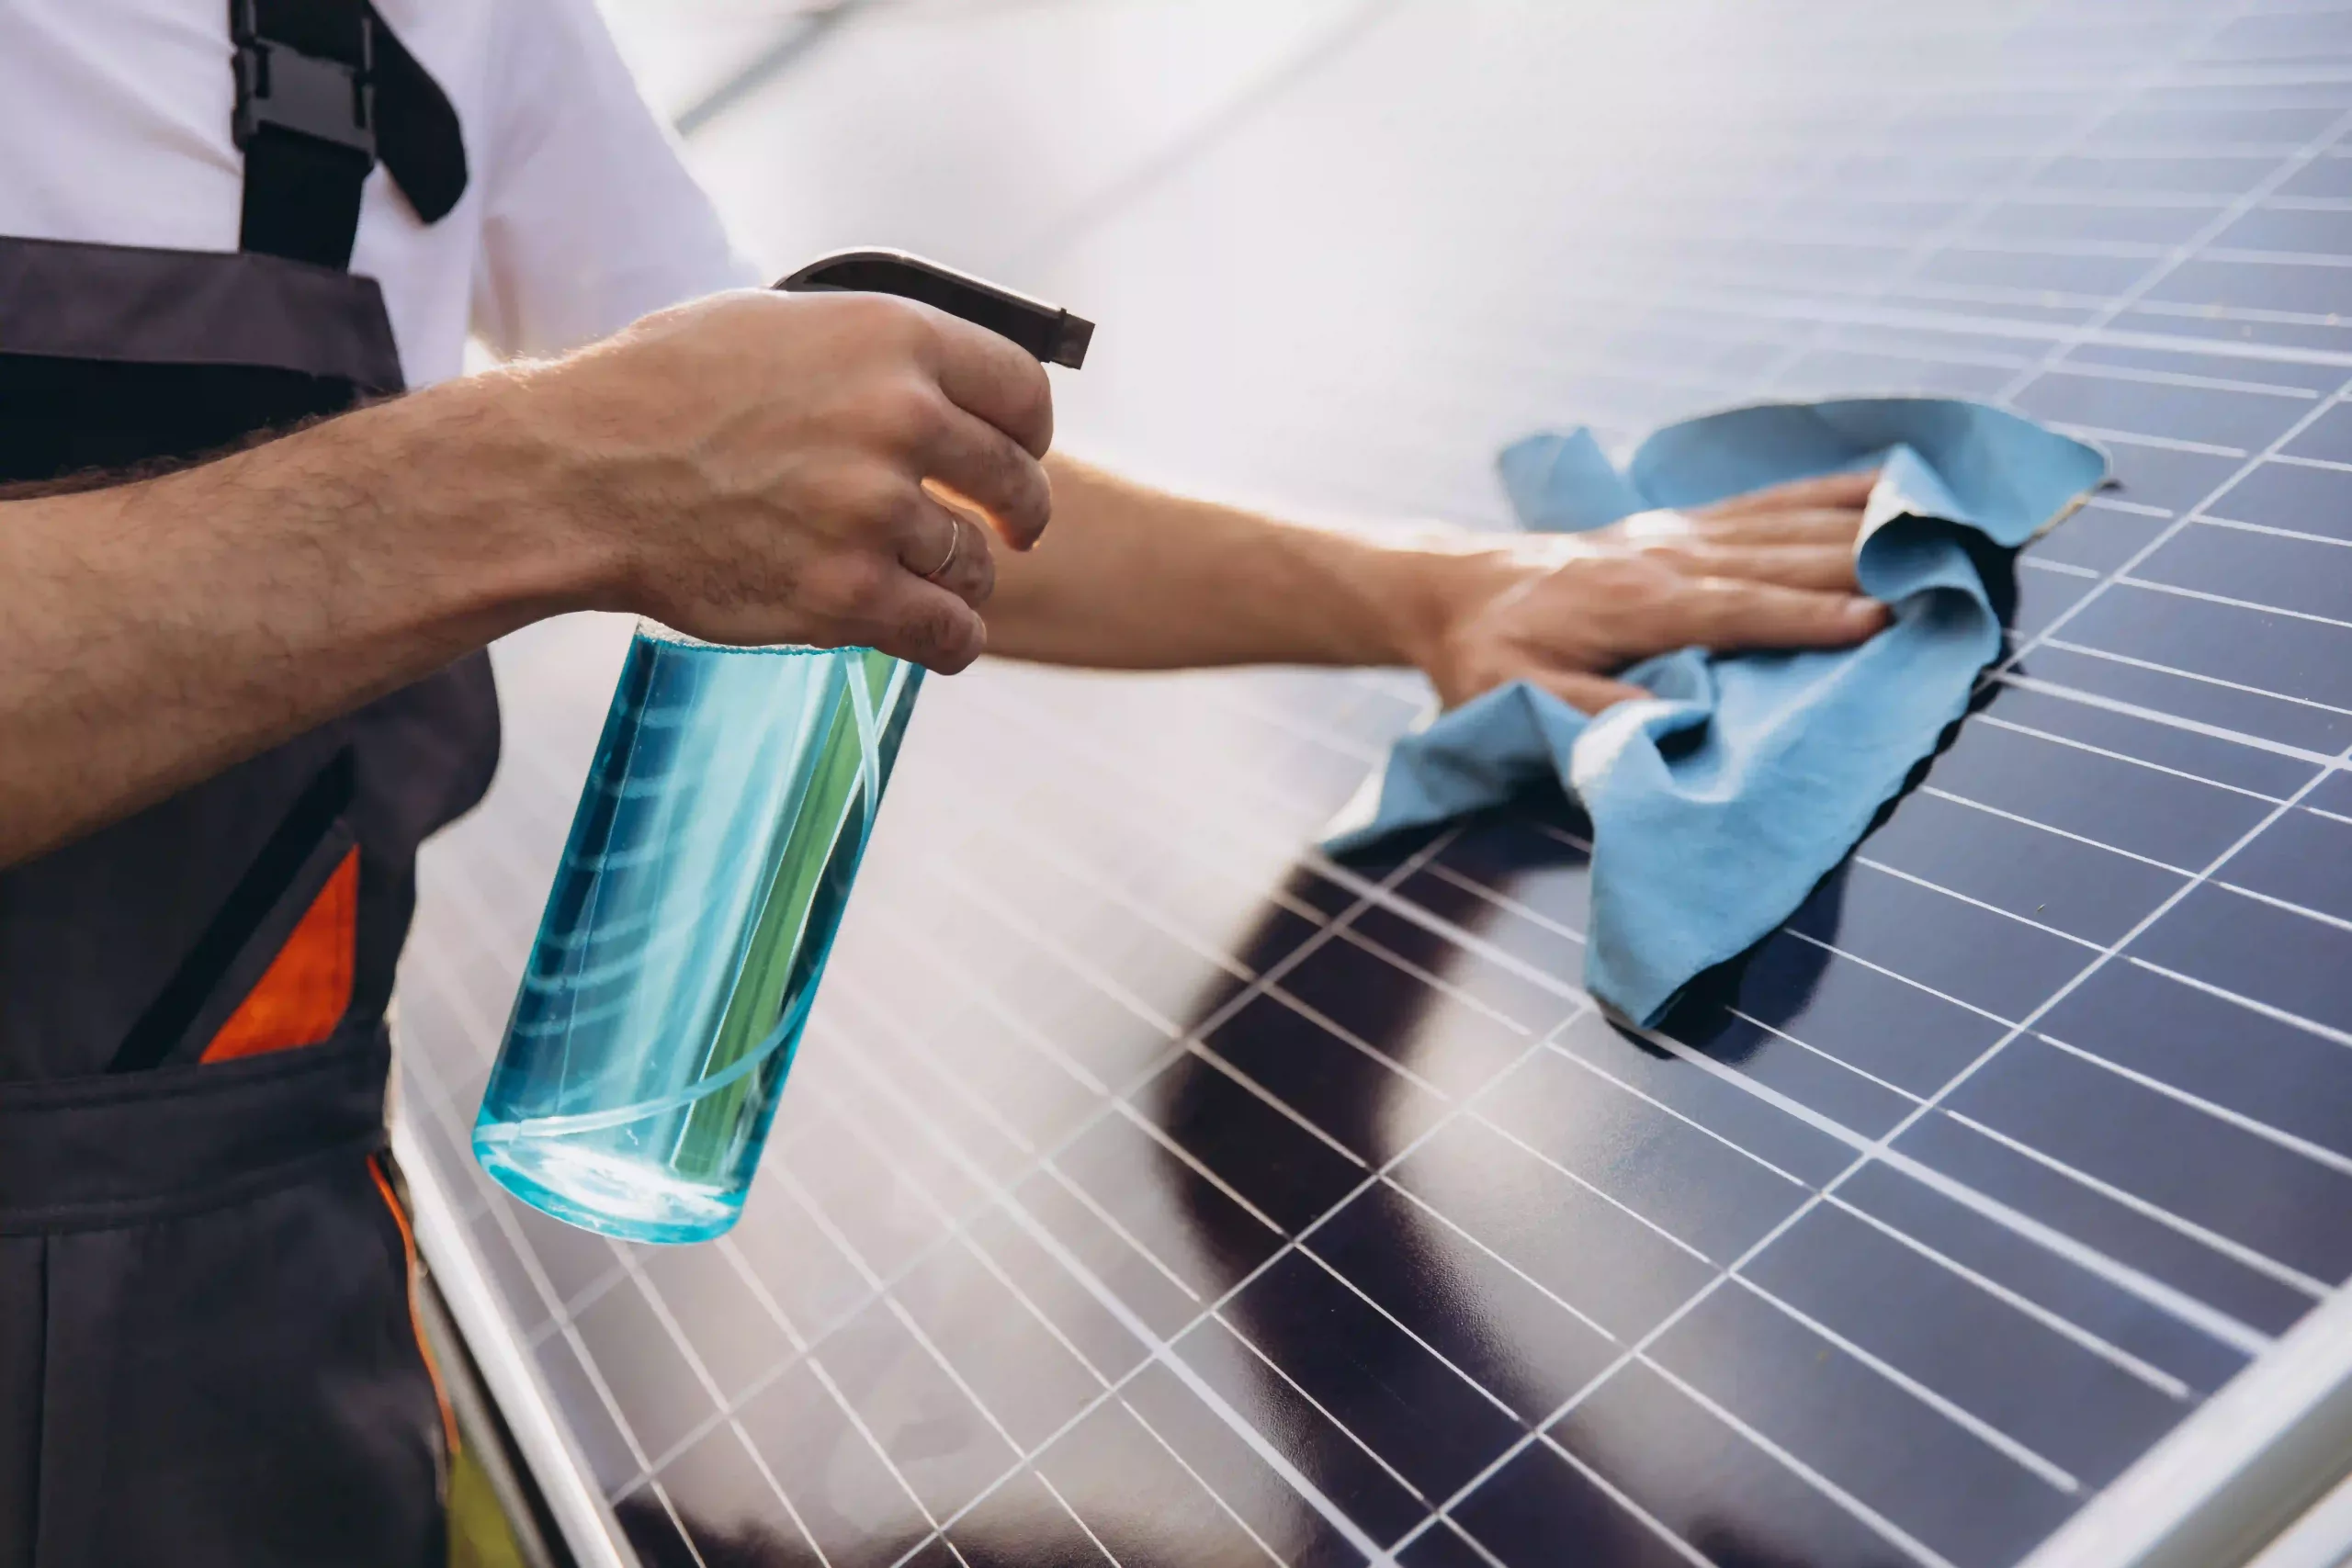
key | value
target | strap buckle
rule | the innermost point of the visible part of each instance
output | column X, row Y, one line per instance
column 281, row 87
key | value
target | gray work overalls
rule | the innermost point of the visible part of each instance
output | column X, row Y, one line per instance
column 208, row 1355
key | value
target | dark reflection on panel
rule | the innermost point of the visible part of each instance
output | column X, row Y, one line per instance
column 1414, row 1341
column 655, row 1537
column 1025, row 1522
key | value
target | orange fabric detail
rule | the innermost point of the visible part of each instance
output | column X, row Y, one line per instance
column 307, row 988
column 415, row 1321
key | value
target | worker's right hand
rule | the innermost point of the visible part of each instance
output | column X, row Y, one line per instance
column 749, row 468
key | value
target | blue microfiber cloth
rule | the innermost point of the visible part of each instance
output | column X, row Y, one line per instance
column 1718, row 804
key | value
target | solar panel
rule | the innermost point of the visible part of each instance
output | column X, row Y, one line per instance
column 1153, row 1190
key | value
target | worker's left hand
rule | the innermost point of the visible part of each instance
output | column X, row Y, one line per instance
column 1566, row 612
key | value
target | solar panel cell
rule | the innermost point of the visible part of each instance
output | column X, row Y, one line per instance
column 2065, row 768
column 1442, row 1548
column 1267, row 1158
column 1522, row 1347
column 2301, row 577
column 1976, row 956
column 1022, row 1522
column 1685, row 1466
column 2213, row 415
column 2255, row 950
column 2279, row 656
column 2299, row 859
column 2059, row 1397
column 574, row 1264
column 1426, row 1420
column 2332, row 795
column 653, row 1536
column 1442, row 1039
column 1786, row 1142
column 1341, row 1466
column 716, row 1485
column 2179, row 1266
column 612, row 1467
column 940, row 1442
column 1351, row 1093
column 2091, row 894
column 2328, row 439
column 1091, row 1246
column 2092, row 1307
column 803, row 1272
column 2282, row 1075
column 2287, row 36
column 2243, row 739
column 1605, row 1263
column 734, row 1336
column 525, row 1307
column 844, row 1497
column 1695, row 1188
column 2294, row 496
column 660, row 1398
column 2174, row 478
column 1229, row 1479
column 2275, row 1204
column 1867, row 1435
column 1196, row 1226
column 1781, row 1062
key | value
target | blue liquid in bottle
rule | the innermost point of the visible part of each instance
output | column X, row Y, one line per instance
column 708, row 864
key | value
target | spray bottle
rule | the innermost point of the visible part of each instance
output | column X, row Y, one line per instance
column 708, row 865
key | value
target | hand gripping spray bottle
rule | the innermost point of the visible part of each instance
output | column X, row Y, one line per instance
column 708, row 864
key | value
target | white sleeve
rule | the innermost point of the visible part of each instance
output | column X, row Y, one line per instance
column 590, row 219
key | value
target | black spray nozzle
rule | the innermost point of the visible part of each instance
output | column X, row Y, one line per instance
column 1050, row 332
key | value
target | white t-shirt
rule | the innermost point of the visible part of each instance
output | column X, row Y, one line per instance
column 578, row 216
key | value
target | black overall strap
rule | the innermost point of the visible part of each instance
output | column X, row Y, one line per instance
column 324, row 89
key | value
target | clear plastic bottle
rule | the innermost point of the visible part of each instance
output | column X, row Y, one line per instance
column 728, row 804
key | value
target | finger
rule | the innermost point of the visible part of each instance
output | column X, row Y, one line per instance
column 1801, row 525
column 982, row 468
column 995, row 379
column 923, row 622
column 1586, row 694
column 1827, row 569
column 949, row 552
column 1726, row 614
column 1823, row 490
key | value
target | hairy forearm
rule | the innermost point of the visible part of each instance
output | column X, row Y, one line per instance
column 154, row 633
column 1134, row 578
column 745, row 467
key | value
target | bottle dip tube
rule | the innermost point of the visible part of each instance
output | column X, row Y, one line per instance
column 710, row 862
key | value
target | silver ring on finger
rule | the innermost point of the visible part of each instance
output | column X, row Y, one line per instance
column 954, row 547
